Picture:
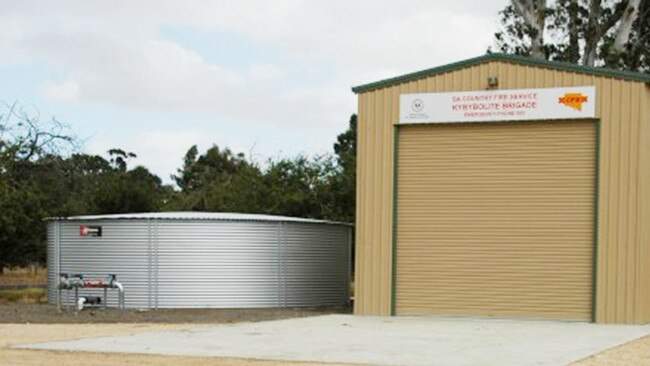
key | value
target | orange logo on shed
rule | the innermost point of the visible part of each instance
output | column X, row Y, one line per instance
column 573, row 100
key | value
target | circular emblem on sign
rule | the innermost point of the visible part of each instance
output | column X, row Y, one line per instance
column 417, row 105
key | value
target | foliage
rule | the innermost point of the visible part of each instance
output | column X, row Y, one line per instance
column 341, row 192
column 21, row 231
column 218, row 180
column 294, row 186
column 43, row 175
column 320, row 187
column 610, row 33
column 24, row 141
column 39, row 178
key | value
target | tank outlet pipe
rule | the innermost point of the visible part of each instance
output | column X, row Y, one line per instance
column 80, row 303
column 74, row 282
column 67, row 282
column 114, row 283
column 90, row 300
column 120, row 293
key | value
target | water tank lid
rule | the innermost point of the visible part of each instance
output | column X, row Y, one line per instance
column 186, row 215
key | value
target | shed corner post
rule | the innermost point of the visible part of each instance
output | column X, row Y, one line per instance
column 393, row 268
column 594, row 300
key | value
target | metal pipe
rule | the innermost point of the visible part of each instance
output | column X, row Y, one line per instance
column 120, row 293
column 80, row 303
column 74, row 282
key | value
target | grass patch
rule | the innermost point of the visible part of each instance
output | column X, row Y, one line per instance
column 30, row 276
column 32, row 295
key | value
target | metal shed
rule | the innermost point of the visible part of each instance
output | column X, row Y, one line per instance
column 205, row 260
column 505, row 186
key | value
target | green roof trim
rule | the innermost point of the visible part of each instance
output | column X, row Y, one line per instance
column 522, row 60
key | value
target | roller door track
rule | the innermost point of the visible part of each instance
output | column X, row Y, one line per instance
column 496, row 219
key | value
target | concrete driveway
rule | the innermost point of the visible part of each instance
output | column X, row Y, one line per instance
column 378, row 341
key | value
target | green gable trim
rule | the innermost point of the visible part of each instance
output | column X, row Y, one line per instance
column 522, row 60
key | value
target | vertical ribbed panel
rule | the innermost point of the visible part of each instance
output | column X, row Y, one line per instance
column 217, row 264
column 208, row 263
column 496, row 219
column 374, row 196
column 643, row 259
column 121, row 250
column 315, row 265
column 52, row 259
column 624, row 185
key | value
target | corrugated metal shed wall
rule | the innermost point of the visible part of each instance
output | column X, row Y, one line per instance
column 622, row 215
column 209, row 263
column 643, row 257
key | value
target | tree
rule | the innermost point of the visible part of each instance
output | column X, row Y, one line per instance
column 340, row 204
column 636, row 55
column 120, row 190
column 185, row 180
column 136, row 190
column 533, row 13
column 589, row 32
column 25, row 142
column 218, row 180
column 25, row 137
column 41, row 176
column 299, row 186
column 119, row 158
column 21, row 229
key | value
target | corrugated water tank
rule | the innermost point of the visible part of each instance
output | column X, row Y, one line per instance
column 204, row 260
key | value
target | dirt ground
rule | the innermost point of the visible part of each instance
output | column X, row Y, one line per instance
column 635, row 353
column 48, row 314
column 28, row 276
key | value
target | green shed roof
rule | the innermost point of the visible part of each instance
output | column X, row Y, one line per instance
column 528, row 61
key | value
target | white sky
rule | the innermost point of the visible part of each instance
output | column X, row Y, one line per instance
column 269, row 78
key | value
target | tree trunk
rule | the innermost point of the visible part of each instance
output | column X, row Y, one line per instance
column 573, row 50
column 639, row 47
column 534, row 14
column 625, row 27
column 592, row 34
column 624, row 14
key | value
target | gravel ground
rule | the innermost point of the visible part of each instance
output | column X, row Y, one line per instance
column 48, row 314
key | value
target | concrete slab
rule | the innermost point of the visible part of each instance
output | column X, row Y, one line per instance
column 411, row 341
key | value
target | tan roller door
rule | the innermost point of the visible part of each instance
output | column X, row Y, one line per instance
column 496, row 219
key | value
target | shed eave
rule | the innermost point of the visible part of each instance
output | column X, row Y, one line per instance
column 522, row 60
